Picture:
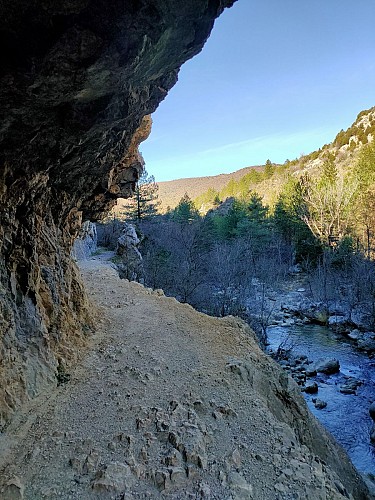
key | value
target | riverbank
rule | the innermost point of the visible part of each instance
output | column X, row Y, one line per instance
column 293, row 304
column 340, row 400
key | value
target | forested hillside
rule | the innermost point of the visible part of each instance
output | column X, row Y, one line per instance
column 331, row 191
column 317, row 211
column 270, row 180
column 170, row 192
column 286, row 245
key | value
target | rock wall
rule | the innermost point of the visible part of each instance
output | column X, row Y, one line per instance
column 78, row 79
column 86, row 242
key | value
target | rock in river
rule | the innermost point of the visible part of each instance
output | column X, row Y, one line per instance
column 372, row 410
column 350, row 386
column 319, row 404
column 311, row 388
column 327, row 366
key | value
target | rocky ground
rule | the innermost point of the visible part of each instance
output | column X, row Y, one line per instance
column 168, row 402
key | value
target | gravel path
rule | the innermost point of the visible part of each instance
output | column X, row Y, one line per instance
column 168, row 402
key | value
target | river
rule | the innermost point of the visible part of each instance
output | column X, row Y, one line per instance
column 346, row 416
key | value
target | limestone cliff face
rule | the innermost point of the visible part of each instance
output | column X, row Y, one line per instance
column 77, row 78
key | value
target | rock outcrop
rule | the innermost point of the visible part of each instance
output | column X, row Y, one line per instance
column 86, row 243
column 78, row 81
column 128, row 257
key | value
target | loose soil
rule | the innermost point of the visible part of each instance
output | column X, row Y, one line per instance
column 169, row 402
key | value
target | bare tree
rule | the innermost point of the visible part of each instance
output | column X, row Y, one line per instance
column 329, row 208
column 229, row 276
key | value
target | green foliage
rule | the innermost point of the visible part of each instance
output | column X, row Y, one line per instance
column 244, row 219
column 365, row 167
column 312, row 156
column 329, row 170
column 343, row 137
column 362, row 135
column 342, row 254
column 363, row 113
column 269, row 169
column 256, row 211
column 185, row 212
column 209, row 198
column 364, row 173
column 144, row 204
column 288, row 222
column 242, row 188
column 225, row 225
column 255, row 226
column 229, row 190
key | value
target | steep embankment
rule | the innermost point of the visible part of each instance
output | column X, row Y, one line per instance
column 169, row 401
column 78, row 79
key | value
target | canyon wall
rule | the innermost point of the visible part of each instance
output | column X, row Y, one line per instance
column 78, row 81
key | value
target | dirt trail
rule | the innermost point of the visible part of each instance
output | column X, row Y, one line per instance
column 170, row 402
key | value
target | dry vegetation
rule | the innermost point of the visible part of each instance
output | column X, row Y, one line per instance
column 170, row 192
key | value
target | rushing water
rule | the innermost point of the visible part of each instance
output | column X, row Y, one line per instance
column 346, row 416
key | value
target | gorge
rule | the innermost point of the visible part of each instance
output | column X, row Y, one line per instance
column 79, row 79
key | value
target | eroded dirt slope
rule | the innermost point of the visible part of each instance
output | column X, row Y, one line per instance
column 170, row 402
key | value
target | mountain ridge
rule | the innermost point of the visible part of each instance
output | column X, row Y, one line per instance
column 345, row 146
column 170, row 192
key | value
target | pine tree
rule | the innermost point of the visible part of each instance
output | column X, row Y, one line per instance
column 365, row 202
column 144, row 203
column 269, row 169
column 185, row 212
column 329, row 170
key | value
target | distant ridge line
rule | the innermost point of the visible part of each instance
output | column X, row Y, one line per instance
column 170, row 192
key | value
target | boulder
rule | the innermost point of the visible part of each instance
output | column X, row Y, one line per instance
column 114, row 477
column 355, row 334
column 14, row 489
column 128, row 257
column 311, row 388
column 310, row 372
column 372, row 411
column 86, row 242
column 319, row 404
column 350, row 386
column 338, row 308
column 338, row 321
column 366, row 342
column 327, row 366
column 314, row 311
column 361, row 318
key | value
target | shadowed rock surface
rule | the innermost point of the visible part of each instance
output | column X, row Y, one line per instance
column 78, row 80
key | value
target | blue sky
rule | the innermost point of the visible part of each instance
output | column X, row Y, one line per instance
column 275, row 79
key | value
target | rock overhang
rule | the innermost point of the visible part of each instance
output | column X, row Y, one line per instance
column 78, row 80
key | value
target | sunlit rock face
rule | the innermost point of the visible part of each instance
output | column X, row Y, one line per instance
column 77, row 79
